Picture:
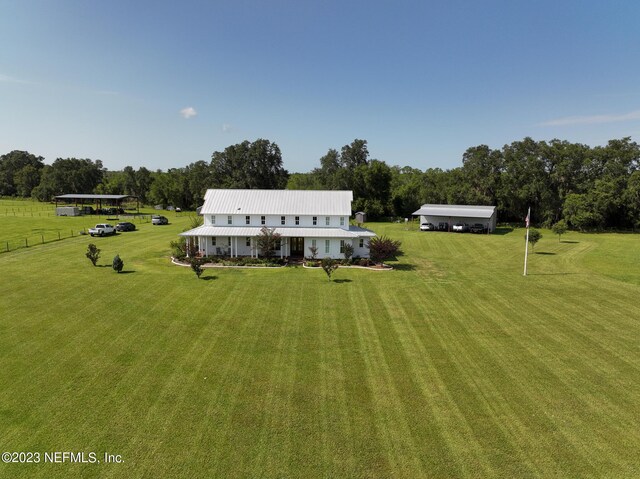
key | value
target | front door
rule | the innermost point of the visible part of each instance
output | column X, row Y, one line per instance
column 297, row 246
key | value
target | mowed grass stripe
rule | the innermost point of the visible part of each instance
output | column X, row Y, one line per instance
column 411, row 324
column 540, row 371
column 462, row 377
column 401, row 451
column 467, row 363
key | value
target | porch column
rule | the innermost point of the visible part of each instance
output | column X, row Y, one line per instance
column 235, row 246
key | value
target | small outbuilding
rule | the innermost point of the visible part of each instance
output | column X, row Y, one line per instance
column 451, row 214
column 361, row 217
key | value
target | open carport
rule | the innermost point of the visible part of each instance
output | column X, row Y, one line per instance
column 451, row 214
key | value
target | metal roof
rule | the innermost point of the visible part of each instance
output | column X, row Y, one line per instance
column 461, row 211
column 277, row 202
column 82, row 196
column 286, row 232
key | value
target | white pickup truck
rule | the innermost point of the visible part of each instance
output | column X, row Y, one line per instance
column 102, row 229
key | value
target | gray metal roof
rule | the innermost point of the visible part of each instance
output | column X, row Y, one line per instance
column 286, row 232
column 461, row 211
column 277, row 202
column 82, row 196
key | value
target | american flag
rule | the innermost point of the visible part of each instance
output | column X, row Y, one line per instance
column 526, row 220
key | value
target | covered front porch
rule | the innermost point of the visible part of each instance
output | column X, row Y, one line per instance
column 238, row 241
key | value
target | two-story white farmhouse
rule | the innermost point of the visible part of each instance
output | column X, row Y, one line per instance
column 233, row 219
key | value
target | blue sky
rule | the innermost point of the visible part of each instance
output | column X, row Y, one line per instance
column 164, row 84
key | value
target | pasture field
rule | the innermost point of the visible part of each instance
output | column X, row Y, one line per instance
column 453, row 365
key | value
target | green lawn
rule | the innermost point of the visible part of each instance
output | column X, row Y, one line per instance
column 453, row 365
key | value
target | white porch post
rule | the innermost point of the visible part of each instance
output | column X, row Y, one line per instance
column 235, row 246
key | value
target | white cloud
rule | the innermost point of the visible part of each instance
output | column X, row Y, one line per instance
column 188, row 112
column 226, row 127
column 593, row 119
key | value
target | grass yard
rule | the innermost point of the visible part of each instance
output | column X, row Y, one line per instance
column 453, row 365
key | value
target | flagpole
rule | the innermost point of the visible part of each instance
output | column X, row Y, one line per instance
column 526, row 244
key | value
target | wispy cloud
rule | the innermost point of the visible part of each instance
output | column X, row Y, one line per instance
column 593, row 119
column 226, row 127
column 9, row 79
column 188, row 112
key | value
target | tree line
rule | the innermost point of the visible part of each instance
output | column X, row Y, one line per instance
column 589, row 187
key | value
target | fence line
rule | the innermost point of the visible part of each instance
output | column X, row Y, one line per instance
column 36, row 239
column 28, row 241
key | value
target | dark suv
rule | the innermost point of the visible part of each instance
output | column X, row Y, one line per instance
column 125, row 226
column 478, row 228
column 443, row 226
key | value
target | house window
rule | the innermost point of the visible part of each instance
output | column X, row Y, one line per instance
column 297, row 220
column 313, row 243
column 229, row 220
column 213, row 219
column 342, row 221
column 278, row 245
column 341, row 246
column 213, row 241
column 263, row 220
column 315, row 220
column 327, row 220
column 247, row 220
column 327, row 246
column 361, row 242
column 248, row 241
column 282, row 220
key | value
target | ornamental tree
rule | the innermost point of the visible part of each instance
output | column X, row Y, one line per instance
column 534, row 237
column 559, row 228
column 93, row 253
column 329, row 266
column 267, row 241
column 117, row 264
column 382, row 248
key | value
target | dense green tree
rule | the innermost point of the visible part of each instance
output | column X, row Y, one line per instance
column 26, row 179
column 69, row 175
column 525, row 182
column 482, row 169
column 631, row 199
column 580, row 212
column 144, row 180
column 355, row 154
column 113, row 183
column 15, row 181
column 304, row 181
column 249, row 165
column 407, row 189
column 371, row 187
